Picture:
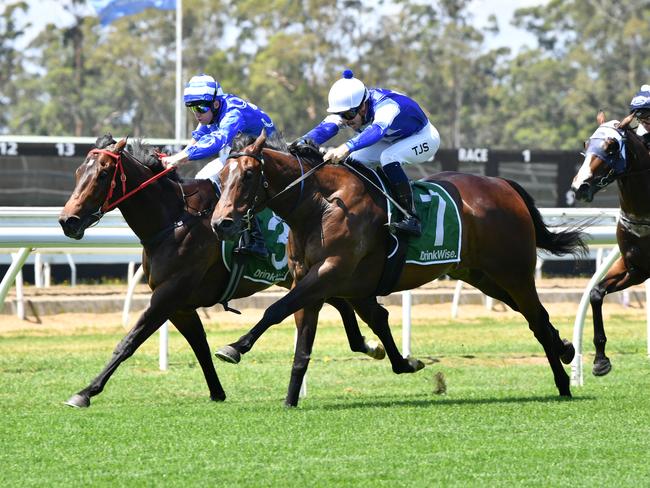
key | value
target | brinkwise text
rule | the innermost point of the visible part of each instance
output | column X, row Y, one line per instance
column 437, row 255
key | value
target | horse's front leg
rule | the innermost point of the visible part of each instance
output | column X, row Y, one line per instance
column 617, row 278
column 152, row 318
column 309, row 291
column 190, row 326
column 306, row 323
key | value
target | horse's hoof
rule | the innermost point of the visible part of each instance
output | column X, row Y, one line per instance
column 601, row 367
column 220, row 397
column 78, row 401
column 228, row 354
column 566, row 394
column 415, row 364
column 289, row 405
column 568, row 353
column 375, row 350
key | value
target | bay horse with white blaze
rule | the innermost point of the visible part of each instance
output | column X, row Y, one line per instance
column 616, row 153
column 181, row 255
column 337, row 248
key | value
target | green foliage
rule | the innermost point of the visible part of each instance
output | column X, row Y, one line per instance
column 500, row 422
column 283, row 55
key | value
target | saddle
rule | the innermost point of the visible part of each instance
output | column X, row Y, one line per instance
column 437, row 204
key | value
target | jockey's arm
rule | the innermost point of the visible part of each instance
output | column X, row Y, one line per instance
column 384, row 116
column 324, row 131
column 209, row 145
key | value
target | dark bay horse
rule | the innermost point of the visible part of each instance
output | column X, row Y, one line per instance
column 181, row 255
column 337, row 247
column 616, row 153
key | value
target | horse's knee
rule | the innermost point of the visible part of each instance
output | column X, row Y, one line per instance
column 273, row 315
column 596, row 296
column 124, row 349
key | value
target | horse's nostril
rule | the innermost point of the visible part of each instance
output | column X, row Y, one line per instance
column 70, row 225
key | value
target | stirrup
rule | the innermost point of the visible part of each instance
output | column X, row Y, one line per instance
column 410, row 225
column 256, row 247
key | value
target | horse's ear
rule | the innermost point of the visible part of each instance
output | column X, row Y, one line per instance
column 259, row 142
column 119, row 147
column 600, row 118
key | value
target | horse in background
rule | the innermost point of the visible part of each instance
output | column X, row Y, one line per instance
column 338, row 246
column 181, row 256
column 615, row 153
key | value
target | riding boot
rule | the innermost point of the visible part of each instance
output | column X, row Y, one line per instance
column 401, row 190
column 256, row 244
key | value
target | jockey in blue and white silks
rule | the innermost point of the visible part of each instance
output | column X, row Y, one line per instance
column 220, row 116
column 392, row 130
column 640, row 107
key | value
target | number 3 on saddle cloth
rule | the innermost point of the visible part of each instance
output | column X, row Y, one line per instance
column 270, row 270
column 440, row 241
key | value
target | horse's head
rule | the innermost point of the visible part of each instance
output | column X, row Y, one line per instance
column 243, row 185
column 95, row 180
column 605, row 158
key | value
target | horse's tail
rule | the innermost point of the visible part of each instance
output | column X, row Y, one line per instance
column 568, row 241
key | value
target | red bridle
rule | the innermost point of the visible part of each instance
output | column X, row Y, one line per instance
column 107, row 206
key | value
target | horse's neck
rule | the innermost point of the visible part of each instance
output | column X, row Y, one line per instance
column 151, row 209
column 329, row 186
column 281, row 170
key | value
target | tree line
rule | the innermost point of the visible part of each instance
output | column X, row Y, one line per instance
column 86, row 79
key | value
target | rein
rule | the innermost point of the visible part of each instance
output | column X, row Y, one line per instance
column 381, row 190
column 119, row 167
column 254, row 206
column 106, row 206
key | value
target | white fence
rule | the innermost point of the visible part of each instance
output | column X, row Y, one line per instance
column 24, row 230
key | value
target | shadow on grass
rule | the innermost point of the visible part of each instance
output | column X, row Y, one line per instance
column 441, row 402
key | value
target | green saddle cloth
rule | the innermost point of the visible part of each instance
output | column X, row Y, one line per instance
column 274, row 268
column 440, row 241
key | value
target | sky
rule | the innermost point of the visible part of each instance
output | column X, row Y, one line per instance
column 43, row 11
column 504, row 11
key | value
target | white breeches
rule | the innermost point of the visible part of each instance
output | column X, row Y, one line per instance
column 416, row 148
column 211, row 170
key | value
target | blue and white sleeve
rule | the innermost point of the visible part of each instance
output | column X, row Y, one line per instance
column 324, row 131
column 210, row 144
column 384, row 116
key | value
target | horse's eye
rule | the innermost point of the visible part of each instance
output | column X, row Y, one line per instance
column 103, row 174
column 248, row 175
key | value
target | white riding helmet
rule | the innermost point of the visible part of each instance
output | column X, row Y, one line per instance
column 346, row 93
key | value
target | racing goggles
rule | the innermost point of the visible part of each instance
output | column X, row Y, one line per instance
column 200, row 108
column 350, row 114
column 643, row 117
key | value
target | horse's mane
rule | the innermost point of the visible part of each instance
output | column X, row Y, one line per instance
column 275, row 141
column 307, row 149
column 144, row 153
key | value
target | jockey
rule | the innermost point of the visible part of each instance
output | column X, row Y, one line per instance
column 220, row 116
column 640, row 107
column 392, row 129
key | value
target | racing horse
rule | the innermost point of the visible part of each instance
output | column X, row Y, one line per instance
column 181, row 256
column 616, row 153
column 337, row 247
